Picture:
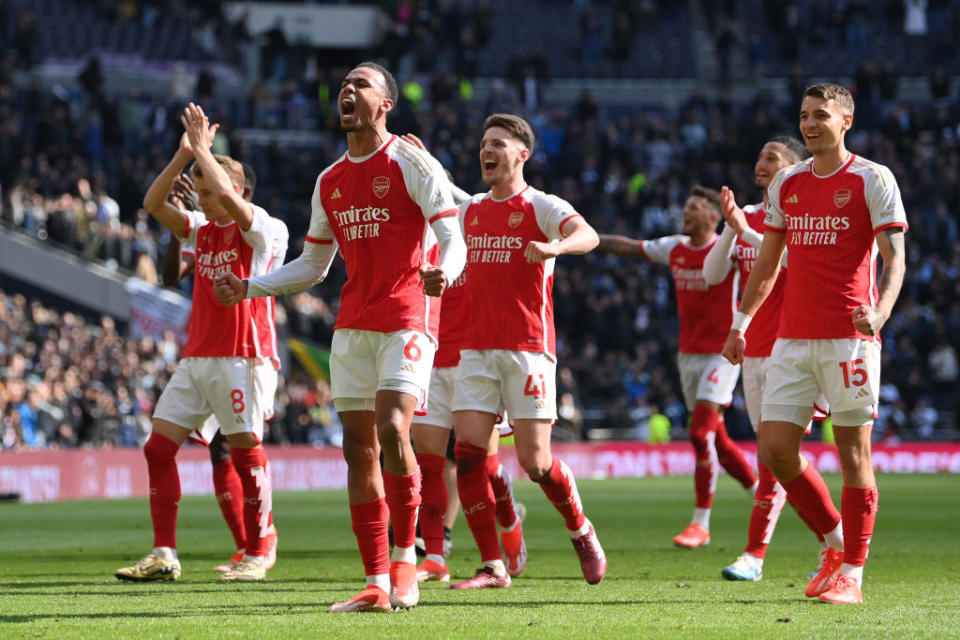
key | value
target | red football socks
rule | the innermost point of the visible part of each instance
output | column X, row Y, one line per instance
column 161, row 455
column 370, row 526
column 251, row 465
column 403, row 498
column 703, row 433
column 561, row 489
column 767, row 505
column 731, row 457
column 859, row 508
column 434, row 502
column 477, row 499
column 229, row 491
column 502, row 491
column 811, row 497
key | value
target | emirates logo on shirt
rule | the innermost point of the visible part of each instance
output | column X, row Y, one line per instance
column 514, row 219
column 841, row 197
column 381, row 185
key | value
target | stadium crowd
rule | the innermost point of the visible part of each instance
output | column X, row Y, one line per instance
column 74, row 167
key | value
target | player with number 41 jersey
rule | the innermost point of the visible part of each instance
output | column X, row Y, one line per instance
column 508, row 359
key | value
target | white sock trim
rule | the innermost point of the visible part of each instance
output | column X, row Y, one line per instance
column 404, row 554
column 834, row 538
column 167, row 553
column 381, row 580
column 440, row 560
column 582, row 531
column 701, row 517
column 852, row 571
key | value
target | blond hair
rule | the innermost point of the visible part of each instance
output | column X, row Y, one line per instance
column 233, row 169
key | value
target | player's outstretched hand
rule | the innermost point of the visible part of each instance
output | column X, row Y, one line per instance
column 229, row 289
column 537, row 252
column 198, row 128
column 434, row 280
column 867, row 320
column 733, row 347
column 414, row 140
column 731, row 212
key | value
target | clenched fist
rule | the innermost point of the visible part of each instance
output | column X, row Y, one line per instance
column 229, row 289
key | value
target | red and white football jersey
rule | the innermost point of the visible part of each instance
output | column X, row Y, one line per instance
column 705, row 311
column 377, row 208
column 512, row 300
column 247, row 330
column 831, row 222
column 455, row 322
column 762, row 332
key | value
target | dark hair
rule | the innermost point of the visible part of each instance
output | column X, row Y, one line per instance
column 829, row 91
column 392, row 91
column 712, row 196
column 250, row 177
column 795, row 149
column 518, row 128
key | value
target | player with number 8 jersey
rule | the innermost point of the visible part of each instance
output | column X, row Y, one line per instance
column 228, row 368
column 387, row 206
column 508, row 360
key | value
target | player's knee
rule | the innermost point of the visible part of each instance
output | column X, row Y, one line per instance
column 392, row 432
column 535, row 463
column 159, row 449
column 468, row 457
column 701, row 445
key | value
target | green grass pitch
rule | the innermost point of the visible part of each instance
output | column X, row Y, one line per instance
column 57, row 563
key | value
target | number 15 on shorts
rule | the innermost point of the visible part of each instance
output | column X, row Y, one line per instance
column 854, row 373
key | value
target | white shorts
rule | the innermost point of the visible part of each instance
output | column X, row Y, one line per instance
column 754, row 380
column 846, row 371
column 706, row 376
column 440, row 398
column 523, row 383
column 237, row 392
column 364, row 362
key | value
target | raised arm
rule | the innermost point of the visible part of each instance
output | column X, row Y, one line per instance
column 890, row 242
column 717, row 263
column 201, row 134
column 155, row 200
column 762, row 278
column 620, row 245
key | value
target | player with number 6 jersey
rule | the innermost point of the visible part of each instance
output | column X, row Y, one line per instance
column 229, row 364
column 508, row 361
column 707, row 380
column 387, row 206
column 834, row 212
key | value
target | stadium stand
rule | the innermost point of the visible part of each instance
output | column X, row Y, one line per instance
column 77, row 155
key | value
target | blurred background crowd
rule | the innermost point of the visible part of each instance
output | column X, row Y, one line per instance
column 633, row 102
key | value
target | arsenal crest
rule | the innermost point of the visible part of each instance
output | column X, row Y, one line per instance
column 229, row 234
column 514, row 219
column 381, row 185
column 841, row 197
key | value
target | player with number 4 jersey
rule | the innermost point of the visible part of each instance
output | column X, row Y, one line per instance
column 739, row 241
column 508, row 361
column 387, row 206
column 835, row 213
column 707, row 380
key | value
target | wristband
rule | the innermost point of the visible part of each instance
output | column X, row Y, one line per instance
column 740, row 322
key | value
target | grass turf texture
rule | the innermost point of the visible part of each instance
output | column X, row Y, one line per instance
column 56, row 578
